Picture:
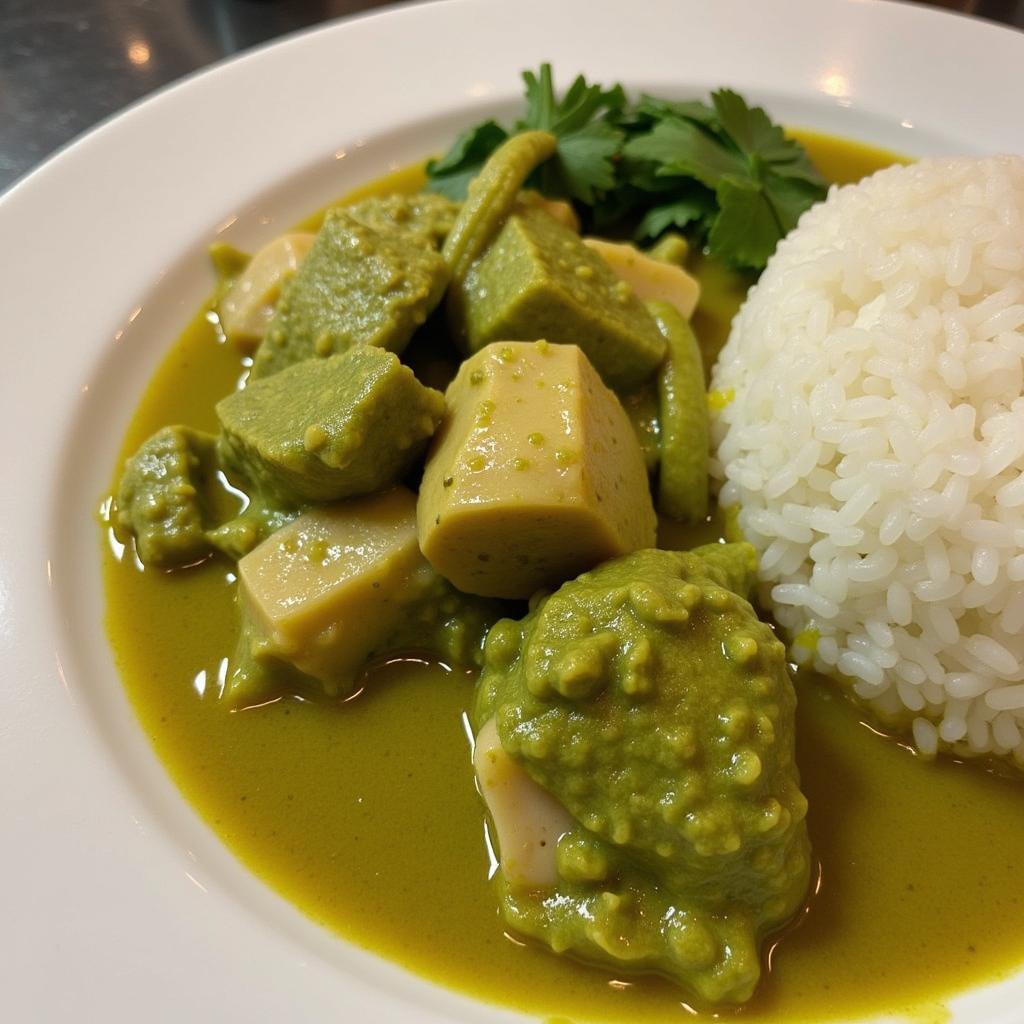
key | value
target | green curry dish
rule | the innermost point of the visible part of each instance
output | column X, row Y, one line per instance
column 339, row 588
column 160, row 499
column 538, row 280
column 327, row 429
column 683, row 417
column 651, row 702
column 423, row 214
column 358, row 285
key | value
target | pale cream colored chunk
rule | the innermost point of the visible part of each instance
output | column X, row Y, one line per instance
column 527, row 818
column 535, row 474
column 328, row 589
column 248, row 306
column 649, row 278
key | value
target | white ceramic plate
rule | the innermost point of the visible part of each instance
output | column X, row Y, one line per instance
column 117, row 902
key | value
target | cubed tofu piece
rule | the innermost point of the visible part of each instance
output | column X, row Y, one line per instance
column 425, row 213
column 649, row 278
column 357, row 286
column 535, row 474
column 248, row 305
column 327, row 429
column 160, row 497
column 327, row 592
column 537, row 279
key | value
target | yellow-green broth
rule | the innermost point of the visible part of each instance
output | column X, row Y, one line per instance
column 365, row 813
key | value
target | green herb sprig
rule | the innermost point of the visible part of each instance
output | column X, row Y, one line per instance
column 723, row 172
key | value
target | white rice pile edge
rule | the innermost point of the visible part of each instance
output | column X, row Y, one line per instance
column 872, row 436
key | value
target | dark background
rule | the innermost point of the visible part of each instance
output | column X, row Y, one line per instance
column 66, row 64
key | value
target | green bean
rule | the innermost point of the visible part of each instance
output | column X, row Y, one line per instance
column 492, row 194
column 683, row 410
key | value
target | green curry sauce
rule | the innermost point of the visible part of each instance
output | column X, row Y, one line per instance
column 365, row 814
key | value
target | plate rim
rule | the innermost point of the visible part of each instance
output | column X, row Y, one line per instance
column 25, row 582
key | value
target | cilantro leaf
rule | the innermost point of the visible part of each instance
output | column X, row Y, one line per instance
column 789, row 197
column 746, row 231
column 676, row 214
column 762, row 141
column 654, row 109
column 451, row 174
column 583, row 163
column 578, row 107
column 681, row 148
column 722, row 170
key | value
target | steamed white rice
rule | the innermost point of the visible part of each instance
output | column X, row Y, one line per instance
column 874, row 443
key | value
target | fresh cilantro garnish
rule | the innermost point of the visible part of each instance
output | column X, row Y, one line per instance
column 452, row 174
column 723, row 172
column 588, row 143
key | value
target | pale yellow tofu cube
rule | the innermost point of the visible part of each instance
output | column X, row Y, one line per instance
column 248, row 307
column 535, row 474
column 649, row 278
column 328, row 590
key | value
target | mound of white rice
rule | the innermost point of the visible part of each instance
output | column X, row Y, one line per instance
column 874, row 443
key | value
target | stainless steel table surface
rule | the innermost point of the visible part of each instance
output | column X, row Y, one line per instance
column 66, row 64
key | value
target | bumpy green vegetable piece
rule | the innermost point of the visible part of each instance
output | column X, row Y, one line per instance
column 734, row 566
column 327, row 429
column 426, row 214
column 657, row 709
column 358, row 285
column 537, row 279
column 492, row 194
column 683, row 413
column 160, row 496
column 238, row 536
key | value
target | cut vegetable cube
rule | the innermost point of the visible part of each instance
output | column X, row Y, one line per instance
column 535, row 475
column 425, row 214
column 327, row 429
column 538, row 280
column 248, row 306
column 650, row 278
column 357, row 286
column 329, row 590
column 160, row 496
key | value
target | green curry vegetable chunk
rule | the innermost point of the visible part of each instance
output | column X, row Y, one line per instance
column 340, row 586
column 160, row 498
column 358, row 285
column 492, row 195
column 656, row 708
column 424, row 214
column 327, row 429
column 537, row 279
column 534, row 476
column 683, row 417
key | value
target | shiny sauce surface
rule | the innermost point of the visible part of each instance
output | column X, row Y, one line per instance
column 365, row 814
